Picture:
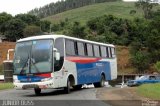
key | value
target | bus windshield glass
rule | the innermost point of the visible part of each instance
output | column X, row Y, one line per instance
column 33, row 57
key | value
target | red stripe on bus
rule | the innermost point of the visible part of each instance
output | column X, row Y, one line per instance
column 82, row 60
column 44, row 75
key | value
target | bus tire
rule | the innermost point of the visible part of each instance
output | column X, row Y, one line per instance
column 37, row 91
column 67, row 89
column 77, row 87
column 101, row 83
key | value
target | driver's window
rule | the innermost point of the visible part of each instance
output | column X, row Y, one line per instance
column 59, row 45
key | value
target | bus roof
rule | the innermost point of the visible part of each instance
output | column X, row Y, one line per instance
column 61, row 36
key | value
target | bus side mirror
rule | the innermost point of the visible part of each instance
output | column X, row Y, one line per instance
column 56, row 54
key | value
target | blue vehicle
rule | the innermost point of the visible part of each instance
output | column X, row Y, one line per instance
column 144, row 80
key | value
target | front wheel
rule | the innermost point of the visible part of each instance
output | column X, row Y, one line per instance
column 37, row 91
column 67, row 89
column 101, row 83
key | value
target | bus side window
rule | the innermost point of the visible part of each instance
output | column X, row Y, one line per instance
column 103, row 51
column 113, row 52
column 85, row 49
column 96, row 51
column 59, row 44
column 100, row 52
column 90, row 50
column 76, row 48
column 107, row 52
column 80, row 49
column 70, row 49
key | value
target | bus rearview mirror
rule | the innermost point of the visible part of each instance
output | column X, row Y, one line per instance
column 56, row 54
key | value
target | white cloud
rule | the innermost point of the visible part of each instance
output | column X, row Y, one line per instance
column 21, row 6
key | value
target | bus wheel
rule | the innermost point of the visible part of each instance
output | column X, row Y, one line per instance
column 37, row 91
column 77, row 87
column 67, row 89
column 101, row 83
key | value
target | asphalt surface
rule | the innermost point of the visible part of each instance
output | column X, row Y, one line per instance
column 83, row 97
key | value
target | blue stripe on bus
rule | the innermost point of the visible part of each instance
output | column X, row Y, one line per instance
column 91, row 72
column 29, row 78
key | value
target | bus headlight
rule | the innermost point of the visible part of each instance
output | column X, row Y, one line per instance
column 46, row 79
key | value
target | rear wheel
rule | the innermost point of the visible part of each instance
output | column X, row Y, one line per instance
column 37, row 91
column 67, row 89
column 101, row 83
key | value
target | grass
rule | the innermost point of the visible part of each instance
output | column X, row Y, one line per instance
column 119, row 9
column 4, row 86
column 151, row 91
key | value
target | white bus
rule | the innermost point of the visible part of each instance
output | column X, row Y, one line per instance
column 59, row 61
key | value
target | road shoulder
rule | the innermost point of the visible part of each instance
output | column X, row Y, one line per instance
column 120, row 96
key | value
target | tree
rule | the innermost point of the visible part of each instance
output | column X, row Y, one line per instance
column 14, row 29
column 28, row 19
column 32, row 31
column 140, row 61
column 4, row 17
column 45, row 25
column 146, row 6
column 77, row 30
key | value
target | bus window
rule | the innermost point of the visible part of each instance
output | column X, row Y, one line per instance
column 76, row 48
column 113, row 52
column 96, row 51
column 109, row 52
column 70, row 47
column 103, row 51
column 100, row 53
column 59, row 44
column 80, row 48
column 89, row 50
column 85, row 49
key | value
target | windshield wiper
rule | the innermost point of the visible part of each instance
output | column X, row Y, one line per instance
column 22, row 70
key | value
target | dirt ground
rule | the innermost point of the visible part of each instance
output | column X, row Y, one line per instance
column 120, row 96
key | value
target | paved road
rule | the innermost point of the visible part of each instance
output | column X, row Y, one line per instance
column 84, row 97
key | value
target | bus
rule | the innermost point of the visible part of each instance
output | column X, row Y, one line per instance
column 59, row 61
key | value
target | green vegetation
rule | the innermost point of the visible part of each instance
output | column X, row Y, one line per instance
column 1, row 71
column 150, row 91
column 22, row 25
column 4, row 86
column 157, row 66
column 83, row 14
column 146, row 7
column 63, row 5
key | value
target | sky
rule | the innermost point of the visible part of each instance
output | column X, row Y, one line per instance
column 21, row 6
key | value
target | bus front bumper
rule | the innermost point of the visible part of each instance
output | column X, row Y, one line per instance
column 41, row 85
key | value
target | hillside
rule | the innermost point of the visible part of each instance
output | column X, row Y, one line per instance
column 119, row 9
column 63, row 5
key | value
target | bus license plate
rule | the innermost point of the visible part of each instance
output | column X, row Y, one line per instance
column 30, row 86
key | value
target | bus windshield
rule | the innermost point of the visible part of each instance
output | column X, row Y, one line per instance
column 33, row 57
